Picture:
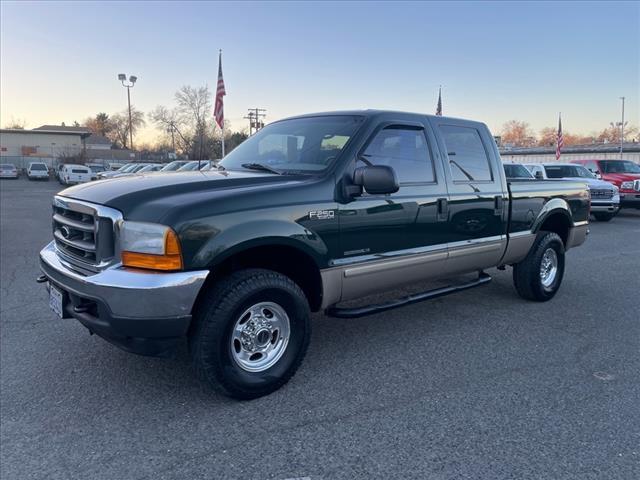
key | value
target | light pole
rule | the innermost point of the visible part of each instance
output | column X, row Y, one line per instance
column 132, row 81
column 622, row 128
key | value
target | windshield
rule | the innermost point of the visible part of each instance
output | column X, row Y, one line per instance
column 301, row 145
column 96, row 168
column 137, row 168
column 567, row 171
column 514, row 170
column 38, row 166
column 149, row 168
column 6, row 166
column 619, row 166
column 188, row 167
column 175, row 165
column 129, row 168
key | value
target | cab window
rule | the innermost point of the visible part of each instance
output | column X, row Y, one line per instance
column 468, row 159
column 405, row 150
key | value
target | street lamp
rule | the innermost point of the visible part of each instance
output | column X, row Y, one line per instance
column 132, row 81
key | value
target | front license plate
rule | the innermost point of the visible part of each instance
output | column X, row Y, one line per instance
column 56, row 300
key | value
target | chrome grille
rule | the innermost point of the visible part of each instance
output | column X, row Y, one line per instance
column 84, row 233
column 601, row 193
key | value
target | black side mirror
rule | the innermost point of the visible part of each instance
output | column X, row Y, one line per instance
column 376, row 179
column 539, row 175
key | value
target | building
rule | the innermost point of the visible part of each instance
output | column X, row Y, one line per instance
column 51, row 143
column 602, row 151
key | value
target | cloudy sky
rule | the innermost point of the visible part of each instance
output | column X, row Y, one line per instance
column 495, row 61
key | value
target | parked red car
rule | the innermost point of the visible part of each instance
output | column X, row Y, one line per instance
column 624, row 174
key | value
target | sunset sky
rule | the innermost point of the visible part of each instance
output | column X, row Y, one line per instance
column 495, row 61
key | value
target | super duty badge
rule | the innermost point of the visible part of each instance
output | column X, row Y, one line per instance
column 321, row 214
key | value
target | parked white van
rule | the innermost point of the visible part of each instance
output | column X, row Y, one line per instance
column 71, row 174
column 38, row 171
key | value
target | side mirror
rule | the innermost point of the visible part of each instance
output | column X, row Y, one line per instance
column 539, row 175
column 598, row 176
column 376, row 179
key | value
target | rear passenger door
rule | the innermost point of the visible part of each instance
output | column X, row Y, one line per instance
column 477, row 209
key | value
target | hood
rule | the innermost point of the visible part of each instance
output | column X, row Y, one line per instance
column 621, row 177
column 592, row 182
column 126, row 193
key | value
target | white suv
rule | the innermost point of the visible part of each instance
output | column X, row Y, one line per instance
column 38, row 171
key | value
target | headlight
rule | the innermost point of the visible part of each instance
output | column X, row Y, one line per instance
column 149, row 245
column 626, row 185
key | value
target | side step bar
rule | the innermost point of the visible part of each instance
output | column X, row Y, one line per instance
column 482, row 279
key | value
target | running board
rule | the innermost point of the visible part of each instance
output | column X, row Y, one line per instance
column 482, row 279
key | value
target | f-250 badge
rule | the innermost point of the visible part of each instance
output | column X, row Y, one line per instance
column 321, row 214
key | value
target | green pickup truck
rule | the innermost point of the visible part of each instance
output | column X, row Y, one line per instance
column 307, row 214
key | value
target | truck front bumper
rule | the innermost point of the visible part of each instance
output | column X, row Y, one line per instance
column 142, row 312
column 630, row 200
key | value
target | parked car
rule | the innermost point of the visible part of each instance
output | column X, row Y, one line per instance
column 516, row 171
column 37, row 171
column 134, row 169
column 624, row 174
column 8, row 170
column 605, row 198
column 173, row 166
column 123, row 169
column 96, row 168
column 196, row 165
column 71, row 174
column 305, row 214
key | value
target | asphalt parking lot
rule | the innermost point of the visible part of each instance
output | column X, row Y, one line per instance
column 477, row 385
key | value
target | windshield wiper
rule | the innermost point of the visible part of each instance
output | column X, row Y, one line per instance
column 261, row 167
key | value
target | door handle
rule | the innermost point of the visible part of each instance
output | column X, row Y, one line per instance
column 498, row 204
column 443, row 209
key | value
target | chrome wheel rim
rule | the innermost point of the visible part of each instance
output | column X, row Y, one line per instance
column 260, row 337
column 548, row 268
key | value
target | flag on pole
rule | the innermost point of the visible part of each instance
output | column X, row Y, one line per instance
column 439, row 107
column 560, row 141
column 220, row 92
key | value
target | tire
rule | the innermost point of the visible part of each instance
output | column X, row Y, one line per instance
column 218, row 355
column 604, row 217
column 528, row 278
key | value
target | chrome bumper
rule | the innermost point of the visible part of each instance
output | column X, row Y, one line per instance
column 128, row 293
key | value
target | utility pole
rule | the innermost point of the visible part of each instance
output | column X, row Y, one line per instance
column 255, row 117
column 622, row 128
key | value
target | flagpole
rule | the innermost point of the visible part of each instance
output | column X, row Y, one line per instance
column 222, row 139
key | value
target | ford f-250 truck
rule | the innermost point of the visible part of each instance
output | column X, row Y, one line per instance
column 306, row 214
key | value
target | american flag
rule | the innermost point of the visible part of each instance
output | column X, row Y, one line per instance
column 218, row 111
column 560, row 141
column 439, row 107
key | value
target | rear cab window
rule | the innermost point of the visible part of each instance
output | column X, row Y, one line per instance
column 468, row 158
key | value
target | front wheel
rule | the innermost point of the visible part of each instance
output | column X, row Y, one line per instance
column 250, row 333
column 539, row 275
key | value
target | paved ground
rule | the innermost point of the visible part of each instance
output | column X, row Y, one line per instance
column 477, row 385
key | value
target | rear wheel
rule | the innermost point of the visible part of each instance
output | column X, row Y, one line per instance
column 250, row 334
column 539, row 275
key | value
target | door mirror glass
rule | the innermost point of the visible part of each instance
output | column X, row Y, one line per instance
column 376, row 179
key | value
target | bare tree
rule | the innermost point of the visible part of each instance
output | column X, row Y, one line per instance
column 101, row 124
column 518, row 134
column 16, row 124
column 119, row 134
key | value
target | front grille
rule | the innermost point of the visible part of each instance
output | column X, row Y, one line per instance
column 84, row 233
column 601, row 193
